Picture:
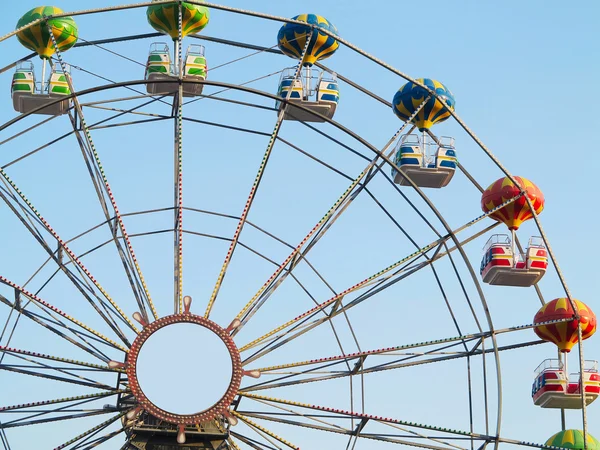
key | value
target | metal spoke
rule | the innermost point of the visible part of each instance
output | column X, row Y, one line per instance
column 98, row 441
column 359, row 368
column 321, row 227
column 60, row 138
column 256, row 426
column 97, row 412
column 99, row 168
column 45, row 323
column 363, row 416
column 372, row 278
column 94, row 172
column 126, row 444
column 253, row 443
column 231, row 442
column 4, row 439
column 354, row 434
column 38, row 365
column 54, row 309
column 53, row 320
column 61, row 400
column 178, row 172
column 53, row 377
column 71, row 255
column 91, row 430
column 303, row 328
column 266, row 233
column 255, row 185
column 15, row 351
column 366, row 353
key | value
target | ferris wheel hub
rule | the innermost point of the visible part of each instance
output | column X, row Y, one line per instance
column 177, row 387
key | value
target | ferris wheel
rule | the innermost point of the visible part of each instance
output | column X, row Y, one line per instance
column 224, row 244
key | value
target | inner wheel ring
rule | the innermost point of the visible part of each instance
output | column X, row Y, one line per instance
column 212, row 412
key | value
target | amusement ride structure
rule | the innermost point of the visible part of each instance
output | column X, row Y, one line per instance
column 277, row 332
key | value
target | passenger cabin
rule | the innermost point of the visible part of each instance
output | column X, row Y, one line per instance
column 553, row 388
column 313, row 89
column 502, row 266
column 28, row 95
column 160, row 67
column 427, row 164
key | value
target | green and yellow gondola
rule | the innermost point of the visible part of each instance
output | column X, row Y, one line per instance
column 573, row 439
column 39, row 30
column 164, row 18
column 37, row 37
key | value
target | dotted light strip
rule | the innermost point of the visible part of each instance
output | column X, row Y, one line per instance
column 63, row 400
column 56, row 358
column 64, row 246
column 91, row 430
column 336, row 297
column 327, row 215
column 264, row 430
column 367, row 280
column 218, row 409
column 356, row 414
column 179, row 169
column 58, row 311
column 383, row 351
column 180, row 206
column 224, row 431
column 257, row 179
column 351, row 356
column 113, row 202
column 180, row 235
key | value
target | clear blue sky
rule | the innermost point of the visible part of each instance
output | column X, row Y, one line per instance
column 522, row 74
